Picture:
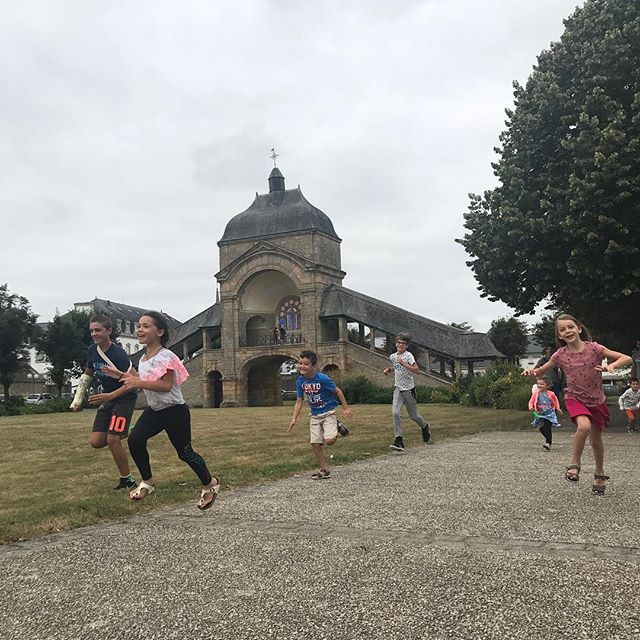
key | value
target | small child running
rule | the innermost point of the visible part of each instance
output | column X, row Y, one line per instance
column 544, row 403
column 322, row 395
column 629, row 402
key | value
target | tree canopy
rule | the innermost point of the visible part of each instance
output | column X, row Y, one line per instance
column 509, row 335
column 17, row 326
column 562, row 226
column 465, row 326
column 65, row 344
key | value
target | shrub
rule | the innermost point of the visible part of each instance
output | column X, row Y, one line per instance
column 440, row 396
column 360, row 390
column 502, row 387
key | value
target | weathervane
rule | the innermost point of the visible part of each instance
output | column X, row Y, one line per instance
column 274, row 155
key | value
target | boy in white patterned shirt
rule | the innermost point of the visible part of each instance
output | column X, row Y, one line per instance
column 404, row 391
column 629, row 402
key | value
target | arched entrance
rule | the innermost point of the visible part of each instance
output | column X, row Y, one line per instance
column 214, row 384
column 333, row 371
column 264, row 381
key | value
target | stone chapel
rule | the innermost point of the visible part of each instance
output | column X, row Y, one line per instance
column 280, row 291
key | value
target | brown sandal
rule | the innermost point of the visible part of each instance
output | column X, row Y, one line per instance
column 598, row 489
column 573, row 473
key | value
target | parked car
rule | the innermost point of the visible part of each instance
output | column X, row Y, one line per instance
column 39, row 398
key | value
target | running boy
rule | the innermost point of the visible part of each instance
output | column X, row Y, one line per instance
column 629, row 402
column 322, row 396
column 404, row 391
column 116, row 403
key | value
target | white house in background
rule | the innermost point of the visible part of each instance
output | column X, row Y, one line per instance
column 124, row 318
column 534, row 352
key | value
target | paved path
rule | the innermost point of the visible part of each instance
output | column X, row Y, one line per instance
column 473, row 539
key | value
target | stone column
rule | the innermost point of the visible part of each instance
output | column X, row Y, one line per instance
column 185, row 351
column 427, row 361
column 443, row 370
column 457, row 368
column 372, row 339
column 342, row 330
column 470, row 367
column 206, row 338
column 361, row 334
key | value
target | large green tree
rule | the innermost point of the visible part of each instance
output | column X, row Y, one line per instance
column 563, row 224
column 509, row 335
column 17, row 327
column 65, row 344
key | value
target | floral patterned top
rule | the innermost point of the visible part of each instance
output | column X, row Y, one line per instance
column 584, row 383
column 153, row 369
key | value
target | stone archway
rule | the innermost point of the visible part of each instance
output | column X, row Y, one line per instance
column 333, row 371
column 264, row 381
column 214, row 384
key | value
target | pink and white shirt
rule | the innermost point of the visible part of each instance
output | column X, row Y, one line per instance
column 153, row 369
column 584, row 383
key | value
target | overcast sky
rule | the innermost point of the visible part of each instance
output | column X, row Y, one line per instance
column 132, row 131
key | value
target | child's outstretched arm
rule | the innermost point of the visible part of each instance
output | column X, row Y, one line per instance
column 619, row 360
column 343, row 401
column 296, row 412
column 539, row 371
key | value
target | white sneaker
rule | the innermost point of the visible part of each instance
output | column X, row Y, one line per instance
column 546, row 446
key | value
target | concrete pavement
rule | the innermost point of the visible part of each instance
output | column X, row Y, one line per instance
column 471, row 539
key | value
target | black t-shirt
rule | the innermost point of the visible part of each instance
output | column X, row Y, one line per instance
column 118, row 356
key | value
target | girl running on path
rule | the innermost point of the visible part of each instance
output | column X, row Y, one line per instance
column 161, row 374
column 581, row 360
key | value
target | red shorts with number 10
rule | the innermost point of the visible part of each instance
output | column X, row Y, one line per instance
column 114, row 417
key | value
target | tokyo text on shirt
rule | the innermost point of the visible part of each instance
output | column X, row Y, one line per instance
column 320, row 393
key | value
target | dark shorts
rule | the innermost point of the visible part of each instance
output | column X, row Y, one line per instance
column 114, row 417
column 599, row 415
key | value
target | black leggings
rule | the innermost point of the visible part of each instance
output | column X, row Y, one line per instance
column 176, row 421
column 545, row 430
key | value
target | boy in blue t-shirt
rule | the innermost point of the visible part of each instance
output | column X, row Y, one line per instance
column 115, row 403
column 322, row 395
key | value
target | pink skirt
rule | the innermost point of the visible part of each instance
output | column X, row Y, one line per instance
column 599, row 415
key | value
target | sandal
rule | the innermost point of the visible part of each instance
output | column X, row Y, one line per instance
column 202, row 505
column 598, row 489
column 136, row 495
column 323, row 474
column 573, row 473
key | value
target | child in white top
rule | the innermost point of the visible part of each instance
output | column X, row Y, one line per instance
column 161, row 374
column 629, row 402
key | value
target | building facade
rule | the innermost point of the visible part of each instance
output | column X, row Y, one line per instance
column 280, row 291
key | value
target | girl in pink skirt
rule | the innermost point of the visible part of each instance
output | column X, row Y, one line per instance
column 581, row 360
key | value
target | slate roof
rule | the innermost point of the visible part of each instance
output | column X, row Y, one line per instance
column 276, row 213
column 118, row 310
column 339, row 301
column 208, row 318
column 533, row 346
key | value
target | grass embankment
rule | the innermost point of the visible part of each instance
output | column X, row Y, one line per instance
column 51, row 479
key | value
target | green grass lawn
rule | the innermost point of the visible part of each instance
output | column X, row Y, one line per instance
column 52, row 480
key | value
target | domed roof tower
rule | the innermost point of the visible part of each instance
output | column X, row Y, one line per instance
column 284, row 218
column 277, row 212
